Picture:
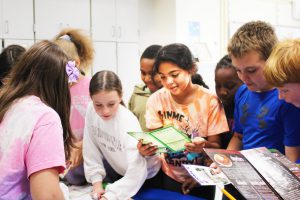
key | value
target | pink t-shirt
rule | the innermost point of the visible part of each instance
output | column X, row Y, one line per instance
column 80, row 98
column 31, row 140
column 203, row 117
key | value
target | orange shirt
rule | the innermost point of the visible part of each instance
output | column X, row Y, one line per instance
column 203, row 117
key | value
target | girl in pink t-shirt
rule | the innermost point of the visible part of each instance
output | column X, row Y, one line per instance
column 79, row 48
column 188, row 107
column 34, row 125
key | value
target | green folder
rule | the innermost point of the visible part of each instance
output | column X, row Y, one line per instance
column 166, row 139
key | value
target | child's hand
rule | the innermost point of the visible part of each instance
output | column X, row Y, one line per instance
column 188, row 185
column 76, row 157
column 196, row 146
column 98, row 191
column 146, row 149
column 215, row 168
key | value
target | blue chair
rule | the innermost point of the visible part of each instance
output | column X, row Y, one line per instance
column 159, row 194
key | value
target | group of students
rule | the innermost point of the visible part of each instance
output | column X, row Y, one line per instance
column 53, row 115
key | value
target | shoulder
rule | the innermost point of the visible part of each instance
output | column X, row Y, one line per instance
column 141, row 90
column 207, row 96
column 241, row 92
column 205, row 92
column 31, row 111
column 127, row 118
column 82, row 84
column 125, row 112
column 85, row 79
column 90, row 108
column 289, row 109
column 159, row 95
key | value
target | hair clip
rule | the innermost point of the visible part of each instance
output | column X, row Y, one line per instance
column 65, row 37
column 72, row 72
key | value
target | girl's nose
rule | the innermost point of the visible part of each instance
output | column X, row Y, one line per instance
column 105, row 110
column 169, row 80
column 148, row 78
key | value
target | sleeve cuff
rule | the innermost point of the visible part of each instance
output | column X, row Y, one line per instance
column 96, row 178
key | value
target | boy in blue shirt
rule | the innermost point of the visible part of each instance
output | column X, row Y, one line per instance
column 261, row 119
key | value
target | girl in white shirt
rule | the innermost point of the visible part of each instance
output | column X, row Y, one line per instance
column 105, row 137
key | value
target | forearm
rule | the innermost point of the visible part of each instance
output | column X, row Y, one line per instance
column 212, row 145
column 292, row 153
column 97, row 186
column 235, row 142
column 213, row 142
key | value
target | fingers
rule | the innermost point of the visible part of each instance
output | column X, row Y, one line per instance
column 188, row 185
column 186, row 191
column 146, row 149
column 193, row 147
column 185, row 188
column 215, row 168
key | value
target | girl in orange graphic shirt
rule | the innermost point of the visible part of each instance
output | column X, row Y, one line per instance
column 189, row 107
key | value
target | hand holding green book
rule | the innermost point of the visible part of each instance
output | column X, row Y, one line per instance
column 164, row 138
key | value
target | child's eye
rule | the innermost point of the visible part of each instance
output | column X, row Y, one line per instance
column 99, row 105
column 162, row 77
column 111, row 104
column 251, row 71
column 230, row 86
column 174, row 75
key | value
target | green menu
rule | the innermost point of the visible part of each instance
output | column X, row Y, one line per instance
column 166, row 139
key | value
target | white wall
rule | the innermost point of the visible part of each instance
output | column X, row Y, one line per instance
column 157, row 22
column 195, row 23
column 167, row 21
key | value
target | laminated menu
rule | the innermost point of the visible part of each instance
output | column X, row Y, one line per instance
column 258, row 173
column 166, row 139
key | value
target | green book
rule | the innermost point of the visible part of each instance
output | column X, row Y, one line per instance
column 166, row 139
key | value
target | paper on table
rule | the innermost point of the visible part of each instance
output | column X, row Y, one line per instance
column 206, row 176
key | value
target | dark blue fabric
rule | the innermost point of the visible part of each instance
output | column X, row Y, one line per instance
column 265, row 121
column 158, row 194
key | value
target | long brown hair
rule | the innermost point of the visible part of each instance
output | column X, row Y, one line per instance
column 41, row 72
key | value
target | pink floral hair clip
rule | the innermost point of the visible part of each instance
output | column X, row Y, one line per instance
column 72, row 72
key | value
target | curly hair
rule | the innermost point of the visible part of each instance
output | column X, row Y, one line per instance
column 77, row 45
